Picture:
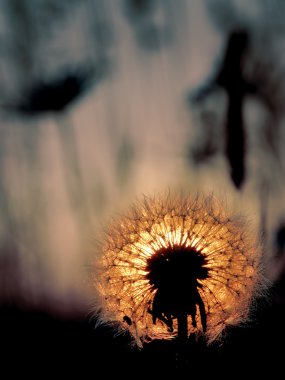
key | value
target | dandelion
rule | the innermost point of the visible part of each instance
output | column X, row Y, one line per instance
column 177, row 265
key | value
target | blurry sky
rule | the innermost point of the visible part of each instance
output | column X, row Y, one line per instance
column 96, row 110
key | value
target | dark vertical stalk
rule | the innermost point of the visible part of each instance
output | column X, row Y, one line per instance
column 182, row 328
column 231, row 78
column 235, row 138
column 181, row 354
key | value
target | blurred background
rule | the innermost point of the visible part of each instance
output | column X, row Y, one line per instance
column 102, row 101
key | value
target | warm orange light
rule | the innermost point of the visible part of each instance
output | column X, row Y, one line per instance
column 232, row 262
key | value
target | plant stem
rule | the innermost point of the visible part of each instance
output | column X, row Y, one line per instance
column 182, row 328
column 181, row 354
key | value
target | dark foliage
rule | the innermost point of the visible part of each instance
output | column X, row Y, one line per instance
column 230, row 77
column 55, row 94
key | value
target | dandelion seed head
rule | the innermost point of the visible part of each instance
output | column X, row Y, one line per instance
column 178, row 254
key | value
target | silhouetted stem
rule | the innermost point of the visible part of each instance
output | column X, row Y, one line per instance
column 181, row 355
column 182, row 328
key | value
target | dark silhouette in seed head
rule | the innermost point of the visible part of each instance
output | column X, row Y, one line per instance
column 174, row 273
column 127, row 320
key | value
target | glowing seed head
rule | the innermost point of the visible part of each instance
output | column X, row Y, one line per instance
column 177, row 255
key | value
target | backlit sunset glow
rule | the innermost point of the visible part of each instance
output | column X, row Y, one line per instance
column 172, row 255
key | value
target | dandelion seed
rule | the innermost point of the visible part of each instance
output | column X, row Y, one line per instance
column 178, row 260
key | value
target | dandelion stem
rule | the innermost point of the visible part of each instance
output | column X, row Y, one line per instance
column 182, row 328
column 181, row 354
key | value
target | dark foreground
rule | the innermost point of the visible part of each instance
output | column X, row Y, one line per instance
column 36, row 344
